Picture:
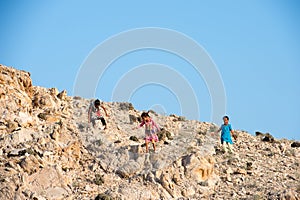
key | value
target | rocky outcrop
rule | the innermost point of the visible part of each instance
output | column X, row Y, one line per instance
column 49, row 151
column 15, row 99
column 258, row 168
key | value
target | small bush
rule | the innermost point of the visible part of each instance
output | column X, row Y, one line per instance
column 98, row 179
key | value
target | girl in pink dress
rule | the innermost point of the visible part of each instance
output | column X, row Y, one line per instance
column 150, row 130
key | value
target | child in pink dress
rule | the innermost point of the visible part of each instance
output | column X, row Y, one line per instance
column 150, row 130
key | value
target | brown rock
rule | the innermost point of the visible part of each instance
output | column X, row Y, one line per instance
column 167, row 183
column 268, row 138
column 30, row 164
column 54, row 92
column 48, row 182
column 19, row 79
column 6, row 191
column 288, row 195
column 12, row 126
column 132, row 119
column 163, row 135
column 241, row 171
column 295, row 144
column 62, row 95
column 198, row 168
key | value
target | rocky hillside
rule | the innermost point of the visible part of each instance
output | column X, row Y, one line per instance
column 49, row 151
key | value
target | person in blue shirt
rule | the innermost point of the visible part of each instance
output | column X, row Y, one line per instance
column 226, row 134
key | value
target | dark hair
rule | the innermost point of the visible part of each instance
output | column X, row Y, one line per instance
column 97, row 102
column 226, row 117
column 145, row 114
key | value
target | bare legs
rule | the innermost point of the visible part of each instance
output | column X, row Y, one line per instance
column 227, row 145
column 147, row 147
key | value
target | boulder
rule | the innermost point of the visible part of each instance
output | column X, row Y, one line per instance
column 295, row 144
column 197, row 167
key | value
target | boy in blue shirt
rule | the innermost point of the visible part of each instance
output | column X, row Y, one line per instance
column 226, row 134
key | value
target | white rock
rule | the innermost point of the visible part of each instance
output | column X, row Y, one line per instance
column 56, row 193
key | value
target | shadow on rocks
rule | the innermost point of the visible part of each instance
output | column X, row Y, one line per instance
column 103, row 196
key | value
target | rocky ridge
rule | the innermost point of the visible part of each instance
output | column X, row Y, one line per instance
column 49, row 151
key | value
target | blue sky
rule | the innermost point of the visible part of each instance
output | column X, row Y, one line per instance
column 254, row 45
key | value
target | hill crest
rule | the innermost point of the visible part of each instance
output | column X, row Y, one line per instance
column 49, row 151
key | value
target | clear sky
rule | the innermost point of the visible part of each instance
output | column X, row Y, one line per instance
column 254, row 45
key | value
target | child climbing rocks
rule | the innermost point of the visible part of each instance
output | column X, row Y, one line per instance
column 226, row 134
column 150, row 130
column 95, row 114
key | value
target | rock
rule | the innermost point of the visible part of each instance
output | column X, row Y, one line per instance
column 128, row 169
column 62, row 95
column 42, row 99
column 177, row 118
column 288, row 195
column 241, row 171
column 55, row 135
column 6, row 191
column 202, row 132
column 268, row 138
column 42, row 116
column 164, row 135
column 99, row 180
column 295, row 144
column 133, row 119
column 18, row 79
column 257, row 133
column 54, row 92
column 167, row 184
column 203, row 183
column 24, row 119
column 77, row 98
column 198, row 168
column 188, row 192
column 181, row 118
column 12, row 126
column 126, row 106
column 56, row 193
column 249, row 165
column 19, row 136
column 30, row 164
column 177, row 178
column 71, row 155
column 134, row 138
column 103, row 197
column 48, row 182
column 166, row 142
column 17, row 152
column 229, row 171
column 135, row 149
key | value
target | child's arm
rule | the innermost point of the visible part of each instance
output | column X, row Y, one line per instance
column 231, row 131
column 219, row 130
column 104, row 110
column 233, row 134
column 139, row 126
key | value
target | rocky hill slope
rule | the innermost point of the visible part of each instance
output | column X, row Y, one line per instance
column 49, row 151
